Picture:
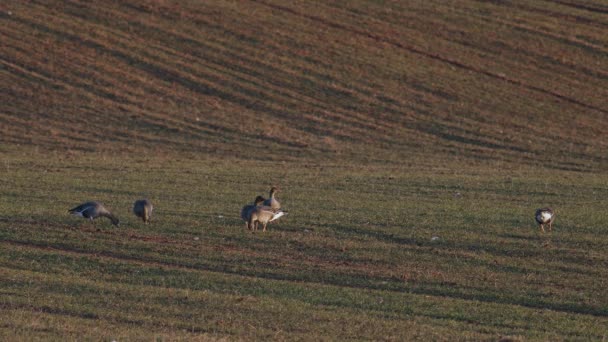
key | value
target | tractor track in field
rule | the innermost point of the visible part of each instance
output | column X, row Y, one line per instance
column 116, row 257
column 443, row 59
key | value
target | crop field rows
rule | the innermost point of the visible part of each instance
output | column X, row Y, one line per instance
column 363, row 253
column 312, row 80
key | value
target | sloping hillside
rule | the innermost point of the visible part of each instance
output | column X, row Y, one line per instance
column 362, row 80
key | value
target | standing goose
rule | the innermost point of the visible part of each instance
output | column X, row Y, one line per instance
column 248, row 209
column 545, row 216
column 143, row 208
column 272, row 201
column 93, row 210
column 263, row 214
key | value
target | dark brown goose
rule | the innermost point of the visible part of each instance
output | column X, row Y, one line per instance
column 248, row 209
column 92, row 210
column 143, row 209
column 545, row 216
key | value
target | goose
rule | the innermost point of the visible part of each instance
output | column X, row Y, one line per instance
column 248, row 209
column 93, row 210
column 545, row 216
column 143, row 208
column 264, row 215
column 272, row 201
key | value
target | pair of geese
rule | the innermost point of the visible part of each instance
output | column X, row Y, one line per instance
column 267, row 210
column 262, row 211
column 92, row 210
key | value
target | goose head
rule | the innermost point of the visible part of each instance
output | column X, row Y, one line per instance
column 259, row 200
column 115, row 221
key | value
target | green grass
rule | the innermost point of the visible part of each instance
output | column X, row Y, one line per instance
column 353, row 259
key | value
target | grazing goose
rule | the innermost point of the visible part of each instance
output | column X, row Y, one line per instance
column 93, row 210
column 248, row 209
column 545, row 216
column 143, row 208
column 272, row 201
column 263, row 214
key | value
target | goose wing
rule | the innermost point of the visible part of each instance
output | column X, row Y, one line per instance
column 90, row 211
column 86, row 210
column 83, row 206
column 138, row 208
column 141, row 206
column 246, row 212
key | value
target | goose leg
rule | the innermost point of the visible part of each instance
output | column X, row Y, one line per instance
column 542, row 228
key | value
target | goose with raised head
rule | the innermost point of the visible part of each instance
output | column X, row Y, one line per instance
column 143, row 209
column 545, row 216
column 92, row 210
column 263, row 215
column 248, row 209
column 272, row 202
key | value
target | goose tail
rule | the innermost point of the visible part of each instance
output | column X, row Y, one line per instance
column 278, row 215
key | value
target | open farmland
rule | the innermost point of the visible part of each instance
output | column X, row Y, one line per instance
column 357, row 79
column 353, row 259
column 412, row 142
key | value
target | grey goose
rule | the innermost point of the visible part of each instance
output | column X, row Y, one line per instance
column 143, row 209
column 92, row 210
column 272, row 202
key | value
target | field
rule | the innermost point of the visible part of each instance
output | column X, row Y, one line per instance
column 354, row 258
column 412, row 142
